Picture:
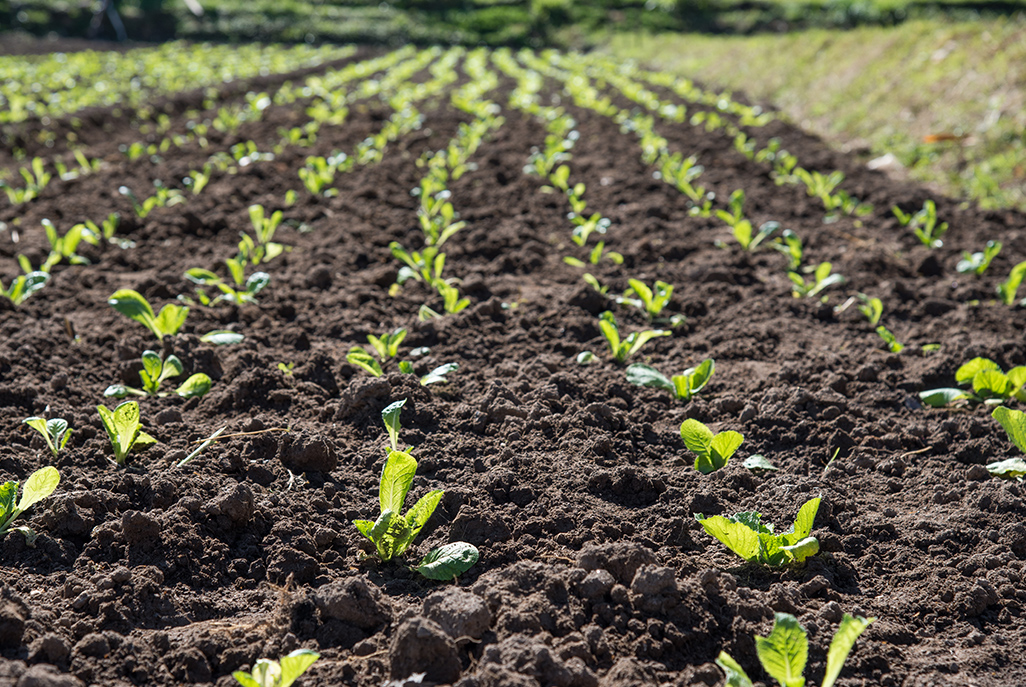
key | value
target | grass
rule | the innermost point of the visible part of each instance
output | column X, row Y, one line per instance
column 888, row 89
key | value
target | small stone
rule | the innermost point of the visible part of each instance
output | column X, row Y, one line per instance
column 597, row 583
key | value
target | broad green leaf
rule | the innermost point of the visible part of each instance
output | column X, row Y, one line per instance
column 965, row 374
column 56, row 427
column 759, row 462
column 641, row 289
column 724, row 445
column 437, row 375
column 736, row 536
column 421, row 512
column 295, row 664
column 805, row 519
column 8, row 495
column 736, row 675
column 991, row 384
column 646, row 375
column 841, row 645
column 364, row 360
column 938, row 398
column 1009, row 469
column 198, row 275
column 245, row 679
column 697, row 437
column 406, row 367
column 196, row 385
column 390, row 416
column 267, row 673
column 256, row 282
column 172, row 368
column 222, row 337
column 37, row 423
column 784, row 652
column 1014, row 422
column 610, row 331
column 38, row 486
column 143, row 442
column 131, row 304
column 170, row 319
column 638, row 339
column 256, row 218
column 365, row 527
column 449, row 561
column 802, row 549
column 396, row 478
column 107, row 418
column 700, row 376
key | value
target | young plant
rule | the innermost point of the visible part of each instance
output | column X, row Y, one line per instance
column 746, row 535
column 55, row 432
column 822, row 279
column 426, row 265
column 597, row 255
column 132, row 305
column 924, row 224
column 989, row 385
column 451, row 300
column 1009, row 287
column 1014, row 424
column 893, row 345
column 623, row 349
column 264, row 227
column 124, row 430
column 977, row 263
column 392, row 533
column 155, row 371
column 712, row 450
column 682, row 386
column 790, row 244
column 387, row 345
column 652, row 301
column 364, row 360
column 784, row 652
column 245, row 293
column 281, row 673
column 24, row 286
column 38, row 486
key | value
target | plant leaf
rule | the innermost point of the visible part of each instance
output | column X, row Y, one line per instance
column 759, row 462
column 449, row 561
column 646, row 375
column 1014, row 422
column 802, row 549
column 724, row 445
column 421, row 512
column 938, row 398
column 736, row 536
column 736, row 675
column 222, row 337
column 437, row 375
column 196, row 385
column 295, row 664
column 396, row 478
column 364, row 360
column 390, row 416
column 784, row 652
column 965, row 374
column 38, row 486
column 1009, row 469
column 841, row 645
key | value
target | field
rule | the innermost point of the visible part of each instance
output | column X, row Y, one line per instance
column 193, row 559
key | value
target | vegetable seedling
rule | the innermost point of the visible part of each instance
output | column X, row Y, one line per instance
column 746, row 535
column 448, row 562
column 451, row 300
column 364, row 360
column 281, row 673
column 682, row 386
column 55, row 432
column 124, row 430
column 264, row 227
column 712, row 451
column 1008, row 288
column 871, row 308
column 978, row 262
column 822, row 279
column 132, row 304
column 623, row 349
column 387, row 345
column 924, row 224
column 1014, row 424
column 23, row 286
column 893, row 345
column 245, row 293
column 783, row 654
column 790, row 244
column 652, row 301
column 154, row 372
column 597, row 255
column 37, row 487
column 438, row 375
column 989, row 385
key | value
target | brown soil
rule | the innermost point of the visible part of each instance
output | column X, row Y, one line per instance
column 574, row 484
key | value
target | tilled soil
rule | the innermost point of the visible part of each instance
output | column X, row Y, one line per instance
column 574, row 485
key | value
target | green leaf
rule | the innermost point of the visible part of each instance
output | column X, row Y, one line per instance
column 724, row 445
column 646, row 375
column 938, row 398
column 390, row 416
column 1009, row 469
column 966, row 373
column 697, row 437
column 638, row 339
column 296, row 663
column 437, row 375
column 172, row 367
column 8, row 494
column 841, row 645
column 784, row 652
column 991, row 384
column 396, row 478
column 449, row 561
column 364, row 360
column 196, row 385
column 131, row 304
column 222, row 337
column 245, row 679
column 699, row 376
column 198, row 275
column 38, row 486
column 805, row 519
column 1014, row 422
column 759, row 462
column 256, row 282
column 170, row 319
column 736, row 675
column 735, row 535
column 803, row 549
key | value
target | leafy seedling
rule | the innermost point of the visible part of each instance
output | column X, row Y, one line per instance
column 438, row 375
column 1008, row 288
column 750, row 243
column 1014, row 424
column 132, row 304
column 392, row 533
column 155, row 371
column 124, row 430
column 784, row 653
column 822, row 279
column 244, row 291
column 264, row 227
column 989, row 385
column 712, row 451
column 281, row 673
column 623, row 349
column 651, row 301
column 682, row 386
column 364, row 360
column 448, row 562
column 387, row 345
column 38, row 486
column 451, row 301
column 893, row 345
column 790, row 244
column 55, row 432
column 746, row 535
column 871, row 308
column 978, row 262
column 23, row 286
column 597, row 255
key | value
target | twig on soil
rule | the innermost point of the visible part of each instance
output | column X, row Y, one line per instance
column 243, row 434
column 202, row 445
column 912, row 453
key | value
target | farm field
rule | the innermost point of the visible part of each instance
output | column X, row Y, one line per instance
column 574, row 484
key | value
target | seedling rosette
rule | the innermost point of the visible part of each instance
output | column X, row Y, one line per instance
column 989, row 385
column 746, row 535
column 37, row 487
column 682, row 386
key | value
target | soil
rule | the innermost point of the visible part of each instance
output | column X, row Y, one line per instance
column 574, row 484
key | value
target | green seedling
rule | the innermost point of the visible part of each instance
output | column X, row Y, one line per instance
column 989, row 385
column 594, row 283
column 245, row 293
column 448, row 562
column 132, row 304
column 286, row 368
column 1009, row 287
column 977, row 263
column 597, row 255
column 893, row 345
column 712, row 450
column 759, row 462
column 437, row 375
column 124, row 430
column 822, row 279
column 924, row 224
column 281, row 673
column 55, row 432
column 790, row 244
column 682, row 386
column 364, row 360
column 392, row 533
column 746, row 535
column 872, row 308
column 1014, row 424
column 624, row 349
column 155, row 371
column 264, row 227
column 426, row 265
column 451, row 300
column 24, row 286
column 652, row 301
column 390, row 416
column 38, row 486
column 387, row 345
column 784, row 653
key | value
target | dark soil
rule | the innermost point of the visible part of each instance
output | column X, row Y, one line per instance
column 574, row 484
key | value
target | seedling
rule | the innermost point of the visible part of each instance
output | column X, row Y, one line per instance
column 451, row 300
column 1008, row 288
column 784, row 652
column 132, row 304
column 682, row 386
column 426, row 265
column 977, row 263
column 893, row 345
column 924, row 224
column 282, row 673
column 364, row 360
column 286, row 368
column 597, row 255
column 436, row 376
column 264, row 227
column 652, row 301
column 387, row 345
column 989, row 385
column 392, row 533
column 246, row 293
column 822, row 279
column 449, row 561
column 623, row 349
column 55, row 432
column 155, row 371
column 124, row 430
column 24, row 286
column 594, row 283
column 712, row 451
column 38, row 486
column 746, row 535
column 790, row 244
